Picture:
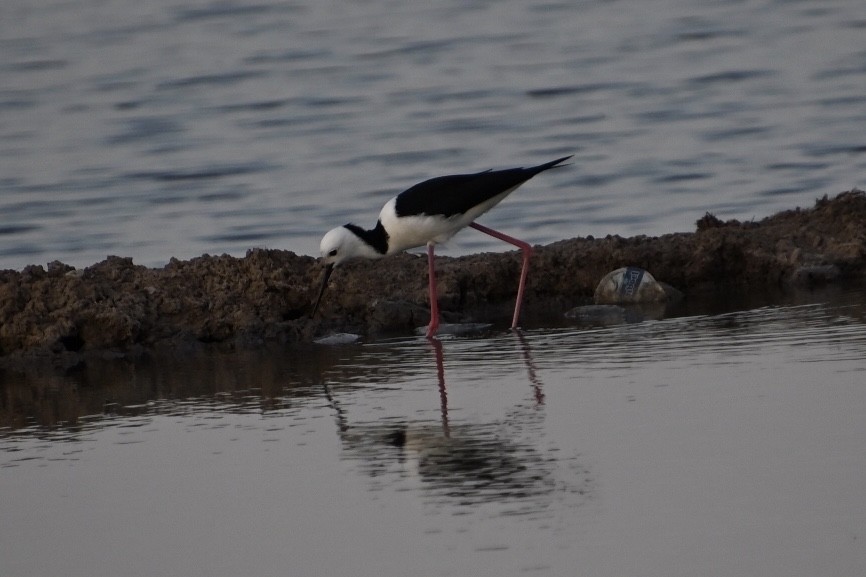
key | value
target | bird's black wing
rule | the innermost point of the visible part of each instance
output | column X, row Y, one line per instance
column 456, row 194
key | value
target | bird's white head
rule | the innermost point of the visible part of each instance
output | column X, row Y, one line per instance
column 341, row 244
column 338, row 245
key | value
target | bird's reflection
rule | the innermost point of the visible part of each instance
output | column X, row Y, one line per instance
column 464, row 463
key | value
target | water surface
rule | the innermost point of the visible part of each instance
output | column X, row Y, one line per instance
column 728, row 443
column 168, row 128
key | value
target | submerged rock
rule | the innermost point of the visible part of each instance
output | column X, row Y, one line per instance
column 118, row 309
column 598, row 315
column 457, row 329
column 611, row 315
column 338, row 339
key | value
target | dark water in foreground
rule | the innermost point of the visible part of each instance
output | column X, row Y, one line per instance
column 175, row 128
column 720, row 444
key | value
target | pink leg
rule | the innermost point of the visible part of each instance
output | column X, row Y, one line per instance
column 434, row 298
column 526, row 249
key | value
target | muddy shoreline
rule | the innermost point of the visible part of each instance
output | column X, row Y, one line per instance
column 63, row 316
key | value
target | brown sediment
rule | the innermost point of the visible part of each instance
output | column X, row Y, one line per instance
column 62, row 315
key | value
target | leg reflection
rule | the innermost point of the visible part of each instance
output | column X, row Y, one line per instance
column 537, row 387
column 443, row 391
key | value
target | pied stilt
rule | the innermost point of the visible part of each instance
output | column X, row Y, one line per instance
column 429, row 213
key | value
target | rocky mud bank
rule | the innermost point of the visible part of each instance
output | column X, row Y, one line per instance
column 62, row 316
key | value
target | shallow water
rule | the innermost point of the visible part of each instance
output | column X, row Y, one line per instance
column 727, row 443
column 168, row 128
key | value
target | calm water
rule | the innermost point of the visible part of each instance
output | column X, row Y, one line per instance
column 728, row 444
column 168, row 128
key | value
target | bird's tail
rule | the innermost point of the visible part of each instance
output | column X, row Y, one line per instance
column 552, row 164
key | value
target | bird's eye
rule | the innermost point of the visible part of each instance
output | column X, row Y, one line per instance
column 333, row 253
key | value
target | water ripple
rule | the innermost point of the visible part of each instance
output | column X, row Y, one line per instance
column 293, row 105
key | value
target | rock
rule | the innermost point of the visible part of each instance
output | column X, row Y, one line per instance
column 810, row 276
column 117, row 309
column 601, row 315
column 611, row 315
column 338, row 339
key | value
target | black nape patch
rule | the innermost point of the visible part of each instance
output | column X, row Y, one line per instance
column 377, row 237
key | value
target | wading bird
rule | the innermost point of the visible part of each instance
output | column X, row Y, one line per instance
column 429, row 213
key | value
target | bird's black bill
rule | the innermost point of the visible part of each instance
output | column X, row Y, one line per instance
column 329, row 268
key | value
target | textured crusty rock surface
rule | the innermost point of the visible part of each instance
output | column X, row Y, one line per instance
column 115, row 308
